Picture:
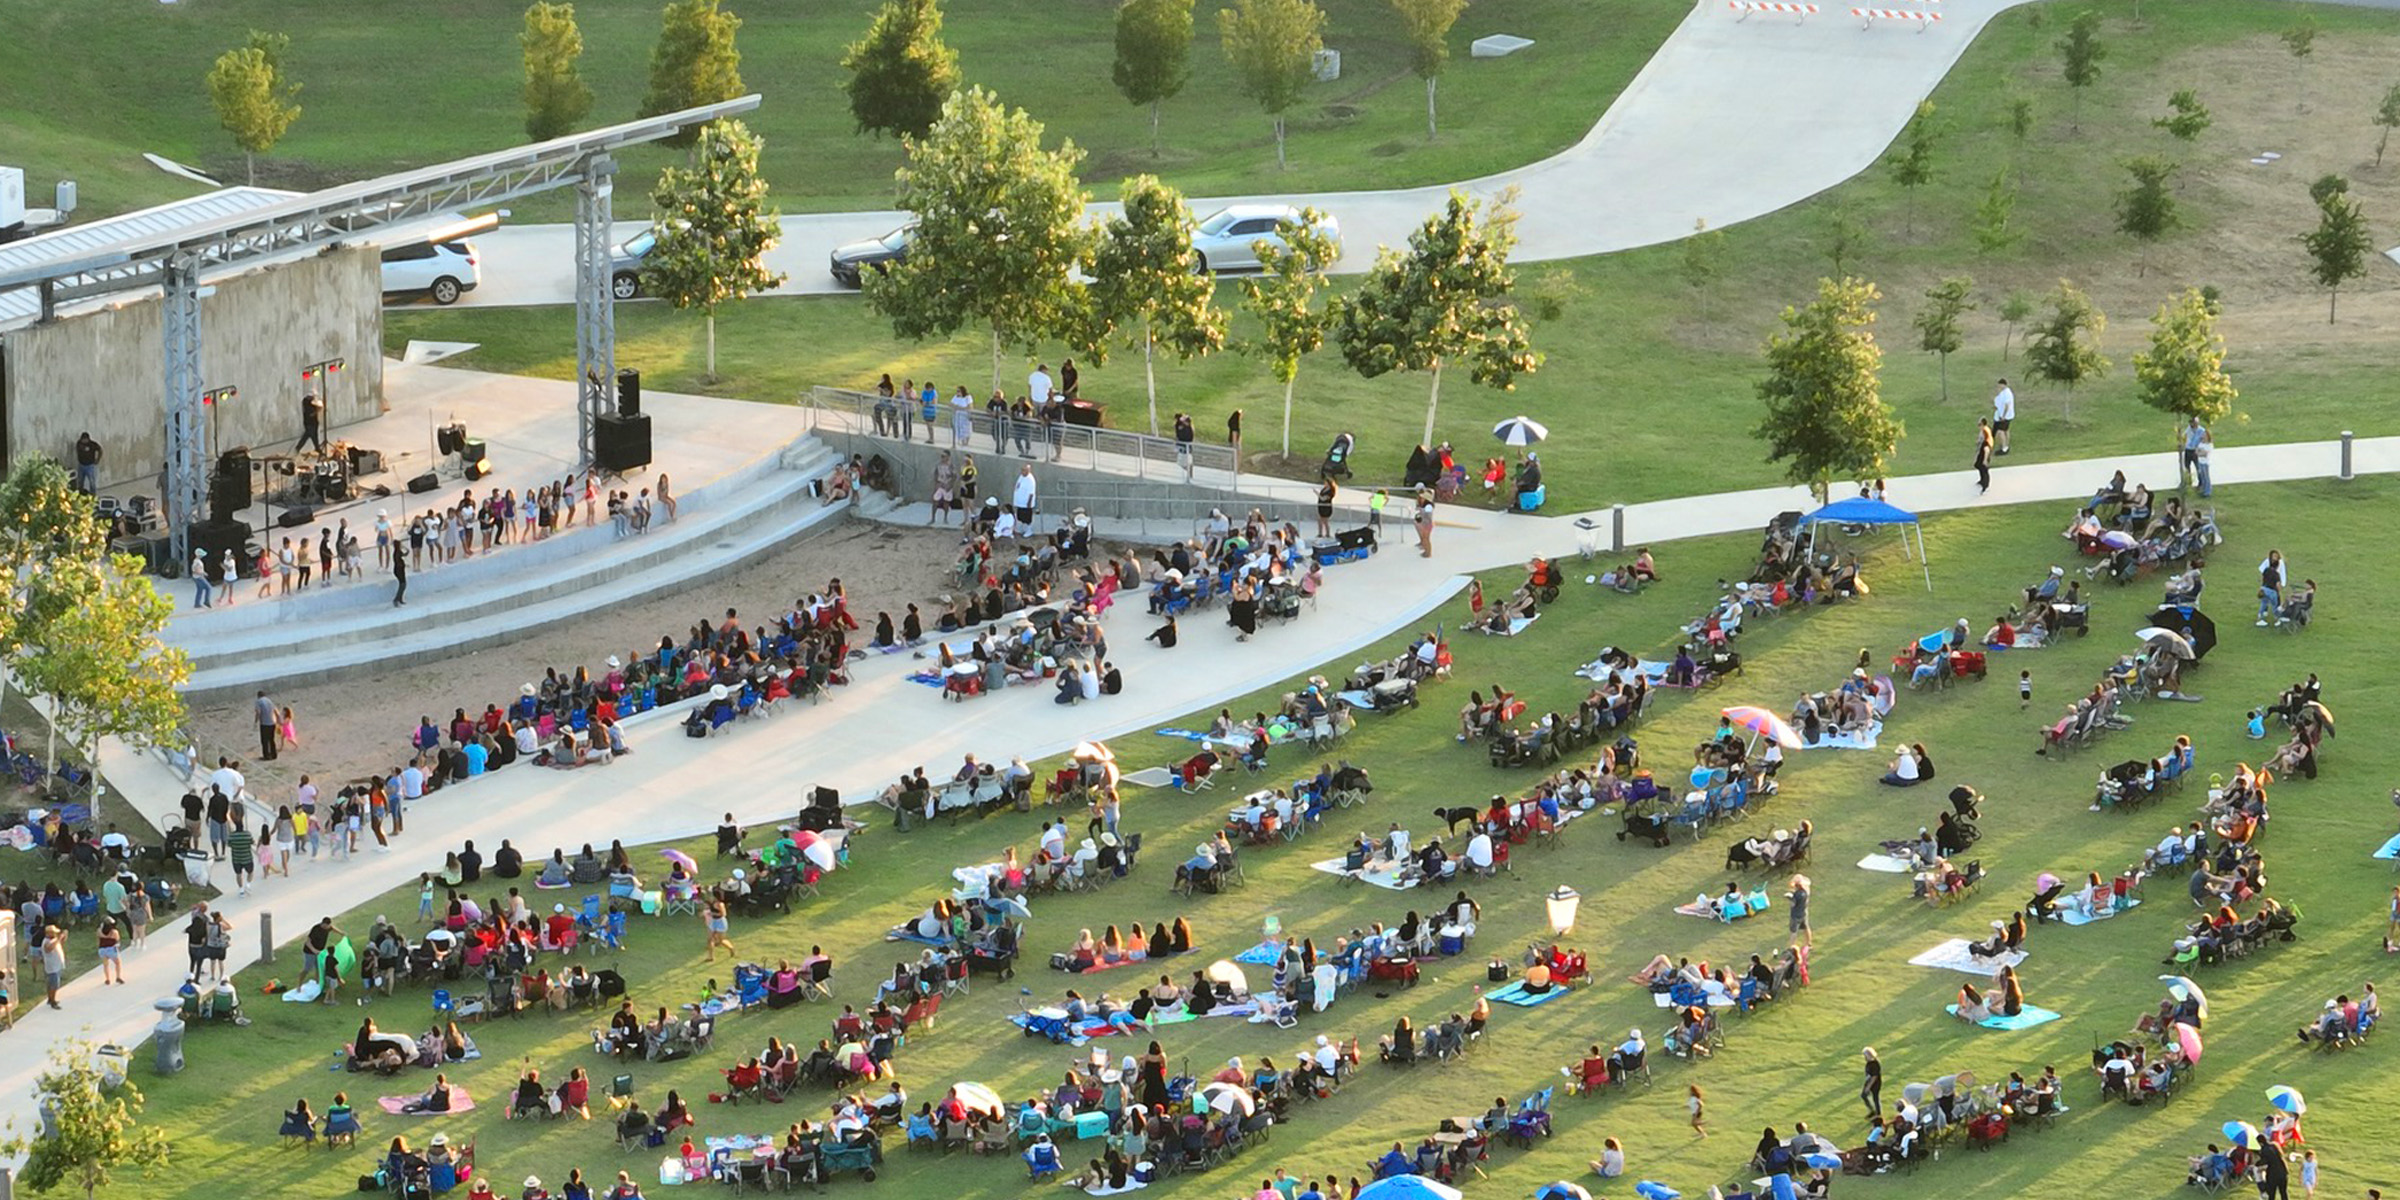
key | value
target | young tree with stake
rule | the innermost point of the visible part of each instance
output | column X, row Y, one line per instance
column 1940, row 329
column 94, row 1127
column 901, row 71
column 2338, row 246
column 2146, row 211
column 1912, row 167
column 252, row 98
column 714, row 228
column 2064, row 347
column 1273, row 46
column 1826, row 418
column 1427, row 25
column 1154, row 54
column 1283, row 298
column 2183, row 374
column 1145, row 285
column 2080, row 53
column 556, row 97
column 693, row 63
column 2387, row 117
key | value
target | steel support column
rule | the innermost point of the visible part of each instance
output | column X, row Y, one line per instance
column 186, row 475
column 595, row 305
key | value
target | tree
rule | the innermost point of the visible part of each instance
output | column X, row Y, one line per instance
column 2064, row 347
column 2080, row 53
column 714, row 227
column 1273, row 46
column 2183, row 374
column 1442, row 302
column 93, row 1127
column 1283, row 298
column 695, row 62
column 1992, row 228
column 2337, row 247
column 2012, row 311
column 1939, row 327
column 2301, row 40
column 2387, row 116
column 252, row 98
column 1000, row 233
column 2020, row 119
column 43, row 520
column 1703, row 261
column 556, row 96
column 900, row 73
column 96, row 654
column 1144, row 281
column 2327, row 185
column 1426, row 23
column 1912, row 167
column 1845, row 235
column 1154, row 54
column 2186, row 119
column 1825, row 412
column 2146, row 211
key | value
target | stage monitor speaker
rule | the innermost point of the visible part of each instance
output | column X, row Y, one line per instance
column 450, row 437
column 294, row 518
column 474, row 450
column 158, row 558
column 424, row 483
column 364, row 461
column 477, row 468
column 825, row 797
column 629, row 393
column 621, row 443
column 217, row 537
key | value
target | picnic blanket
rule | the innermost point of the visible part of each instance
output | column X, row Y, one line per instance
column 1598, row 671
column 928, row 678
column 2076, row 917
column 1884, row 863
column 1514, row 993
column 1094, row 1027
column 1131, row 1185
column 1151, row 777
column 1846, row 741
column 1663, row 1000
column 1952, row 955
column 1753, row 904
column 1388, row 879
column 1516, row 625
column 2391, row 849
column 2026, row 1019
column 397, row 1106
column 1263, row 954
column 908, row 933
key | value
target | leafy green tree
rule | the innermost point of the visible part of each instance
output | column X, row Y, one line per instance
column 1826, row 417
column 1940, row 324
column 900, row 73
column 2020, row 119
column 1154, row 54
column 1000, row 235
column 253, row 100
column 2064, row 346
column 2337, row 248
column 95, row 1129
column 694, row 62
column 2325, row 186
column 2080, row 53
column 2301, row 41
column 2183, row 374
column 44, row 520
column 1702, row 262
column 1427, row 25
column 1283, row 298
column 2147, row 211
column 98, row 658
column 2387, row 117
column 556, row 97
column 714, row 227
column 1912, row 167
column 2013, row 309
column 1273, row 46
column 2186, row 117
column 1993, row 227
column 1442, row 302
column 1144, row 281
column 1845, row 235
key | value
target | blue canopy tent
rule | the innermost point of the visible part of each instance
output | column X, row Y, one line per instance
column 1864, row 511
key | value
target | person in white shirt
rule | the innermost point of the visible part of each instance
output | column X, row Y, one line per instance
column 1025, row 496
column 1038, row 385
column 2004, row 410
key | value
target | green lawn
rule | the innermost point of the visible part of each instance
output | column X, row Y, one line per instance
column 1647, row 377
column 1796, row 1060
column 387, row 87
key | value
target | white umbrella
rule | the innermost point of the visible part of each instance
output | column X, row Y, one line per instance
column 2175, row 642
column 980, row 1098
column 1224, row 972
column 1520, row 431
column 1229, row 1098
column 1095, row 752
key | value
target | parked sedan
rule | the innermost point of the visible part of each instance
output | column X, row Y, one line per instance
column 879, row 253
column 1227, row 239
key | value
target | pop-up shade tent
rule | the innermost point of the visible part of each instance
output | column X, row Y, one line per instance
column 1863, row 511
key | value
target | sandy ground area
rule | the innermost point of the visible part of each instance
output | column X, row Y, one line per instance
column 350, row 728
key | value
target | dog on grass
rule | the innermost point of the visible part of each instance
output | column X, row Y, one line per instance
column 1453, row 816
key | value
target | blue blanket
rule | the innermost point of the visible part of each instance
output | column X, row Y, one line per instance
column 908, row 933
column 2026, row 1019
column 1263, row 954
column 928, row 678
column 2075, row 917
column 1515, row 993
column 2391, row 849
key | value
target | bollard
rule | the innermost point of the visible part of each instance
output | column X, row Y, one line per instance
column 266, row 937
column 168, row 1034
column 1616, row 529
column 2347, row 472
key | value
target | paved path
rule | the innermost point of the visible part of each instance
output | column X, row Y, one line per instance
column 1731, row 119
column 758, row 769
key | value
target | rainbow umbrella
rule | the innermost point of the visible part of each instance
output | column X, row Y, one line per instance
column 2243, row 1133
column 1766, row 724
column 2182, row 988
column 2187, row 1039
column 2287, row 1099
column 679, row 858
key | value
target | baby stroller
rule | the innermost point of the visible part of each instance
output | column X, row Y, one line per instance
column 1393, row 695
column 1337, row 457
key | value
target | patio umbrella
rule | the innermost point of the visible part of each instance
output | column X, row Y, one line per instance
column 1819, row 1158
column 1224, row 972
column 1228, row 1098
column 1766, row 724
column 1094, row 752
column 1648, row 1189
column 2287, row 1099
column 2182, row 988
column 1520, row 431
column 1409, row 1187
column 2173, row 641
column 2243, row 1133
column 2196, row 626
column 813, row 847
column 2118, row 539
column 2187, row 1039
column 2324, row 714
column 1013, row 906
column 679, row 858
column 980, row 1098
column 1562, row 1190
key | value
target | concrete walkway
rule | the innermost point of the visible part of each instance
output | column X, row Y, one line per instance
column 756, row 768
column 1731, row 119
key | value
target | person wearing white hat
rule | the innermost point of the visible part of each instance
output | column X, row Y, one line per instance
column 534, row 1189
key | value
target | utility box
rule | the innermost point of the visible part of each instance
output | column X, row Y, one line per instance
column 12, row 200
column 1327, row 65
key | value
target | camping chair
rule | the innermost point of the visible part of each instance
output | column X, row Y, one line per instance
column 620, row 1092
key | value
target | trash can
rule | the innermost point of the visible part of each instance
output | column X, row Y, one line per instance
column 195, row 868
column 168, row 1034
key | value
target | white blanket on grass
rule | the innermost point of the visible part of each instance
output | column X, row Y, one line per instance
column 1884, row 863
column 1846, row 741
column 1953, row 955
column 1388, row 879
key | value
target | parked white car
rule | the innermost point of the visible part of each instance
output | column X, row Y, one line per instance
column 442, row 270
column 1227, row 239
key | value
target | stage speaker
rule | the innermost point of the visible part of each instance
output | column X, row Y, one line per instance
column 621, row 443
column 424, row 483
column 473, row 450
column 477, row 468
column 629, row 393
column 294, row 518
column 229, row 488
column 825, row 797
column 364, row 461
column 152, row 548
column 450, row 437
column 217, row 537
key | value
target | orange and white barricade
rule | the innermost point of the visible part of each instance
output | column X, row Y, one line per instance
column 1746, row 7
column 1868, row 16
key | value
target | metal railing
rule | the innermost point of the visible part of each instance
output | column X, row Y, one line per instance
column 1137, row 455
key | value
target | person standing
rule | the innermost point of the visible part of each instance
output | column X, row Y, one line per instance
column 112, row 970
column 1870, row 1089
column 945, row 489
column 312, row 423
column 712, row 917
column 400, row 579
column 904, row 418
column 268, row 717
column 220, row 813
column 1424, row 523
column 54, row 960
column 1038, row 386
column 87, row 470
column 1024, row 500
column 229, row 571
column 1022, row 417
column 996, row 409
column 1797, row 898
column 1325, row 494
column 2271, row 574
column 200, row 588
column 1983, row 456
column 1375, row 506
column 1184, row 434
column 1070, row 381
column 2004, row 411
column 929, row 406
column 242, row 852
column 1233, row 437
column 2200, row 453
column 962, row 417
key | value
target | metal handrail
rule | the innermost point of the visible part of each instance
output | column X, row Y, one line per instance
column 1113, row 451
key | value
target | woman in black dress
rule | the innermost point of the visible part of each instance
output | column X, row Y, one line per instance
column 1153, row 1069
column 1325, row 494
column 1242, row 609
